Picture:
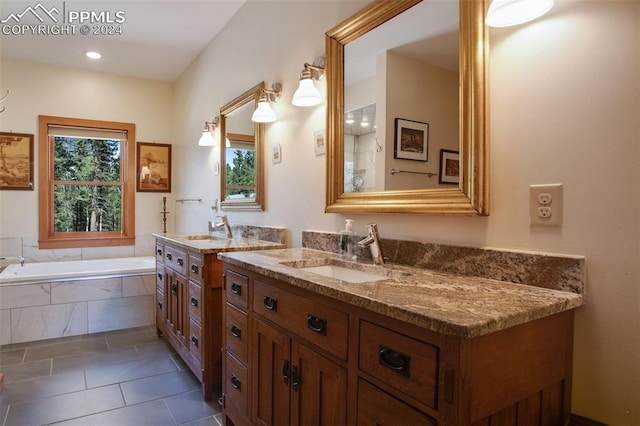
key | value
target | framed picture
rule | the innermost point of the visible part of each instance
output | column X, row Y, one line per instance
column 276, row 153
column 16, row 161
column 411, row 140
column 318, row 142
column 449, row 166
column 154, row 167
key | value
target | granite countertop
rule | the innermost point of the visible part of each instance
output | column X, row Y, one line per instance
column 449, row 304
column 208, row 244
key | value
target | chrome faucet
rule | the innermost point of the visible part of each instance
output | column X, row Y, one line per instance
column 19, row 258
column 224, row 224
column 373, row 242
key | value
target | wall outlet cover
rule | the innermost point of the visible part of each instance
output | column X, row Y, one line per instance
column 545, row 204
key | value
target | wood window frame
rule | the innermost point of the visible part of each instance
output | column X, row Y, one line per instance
column 48, row 238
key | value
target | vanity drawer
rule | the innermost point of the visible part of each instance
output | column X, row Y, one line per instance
column 195, row 340
column 320, row 324
column 236, row 333
column 195, row 301
column 376, row 407
column 159, row 277
column 236, row 385
column 175, row 259
column 195, row 268
column 407, row 364
column 160, row 253
column 237, row 289
column 159, row 307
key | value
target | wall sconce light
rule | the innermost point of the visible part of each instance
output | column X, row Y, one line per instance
column 506, row 13
column 207, row 138
column 307, row 93
column 264, row 113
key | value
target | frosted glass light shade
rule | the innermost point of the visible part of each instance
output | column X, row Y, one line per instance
column 505, row 13
column 307, row 94
column 206, row 139
column 263, row 113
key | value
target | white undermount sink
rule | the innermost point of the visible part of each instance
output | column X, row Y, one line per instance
column 344, row 274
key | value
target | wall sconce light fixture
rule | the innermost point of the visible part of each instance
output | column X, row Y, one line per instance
column 264, row 113
column 207, row 138
column 506, row 13
column 307, row 93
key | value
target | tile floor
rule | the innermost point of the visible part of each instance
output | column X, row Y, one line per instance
column 127, row 377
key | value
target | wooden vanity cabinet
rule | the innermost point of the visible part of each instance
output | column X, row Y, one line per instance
column 314, row 360
column 188, row 314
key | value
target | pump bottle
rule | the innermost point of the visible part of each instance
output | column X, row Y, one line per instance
column 345, row 246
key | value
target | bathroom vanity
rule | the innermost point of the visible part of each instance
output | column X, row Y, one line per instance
column 310, row 338
column 189, row 296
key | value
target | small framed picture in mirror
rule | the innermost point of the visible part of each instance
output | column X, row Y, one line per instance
column 449, row 166
column 411, row 140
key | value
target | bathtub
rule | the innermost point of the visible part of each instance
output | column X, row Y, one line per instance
column 56, row 299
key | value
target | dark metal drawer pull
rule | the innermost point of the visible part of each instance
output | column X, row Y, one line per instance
column 169, row 256
column 159, row 305
column 235, row 331
column 194, row 302
column 194, row 340
column 194, row 268
column 271, row 303
column 316, row 324
column 285, row 371
column 236, row 288
column 295, row 380
column 160, row 277
column 235, row 382
column 159, row 251
column 180, row 261
column 396, row 361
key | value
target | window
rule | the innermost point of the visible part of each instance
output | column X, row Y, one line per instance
column 86, row 183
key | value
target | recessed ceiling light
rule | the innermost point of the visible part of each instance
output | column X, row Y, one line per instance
column 93, row 55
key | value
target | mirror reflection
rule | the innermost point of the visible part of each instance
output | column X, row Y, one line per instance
column 408, row 66
column 241, row 180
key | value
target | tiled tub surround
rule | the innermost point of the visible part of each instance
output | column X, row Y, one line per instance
column 559, row 272
column 59, row 306
column 453, row 305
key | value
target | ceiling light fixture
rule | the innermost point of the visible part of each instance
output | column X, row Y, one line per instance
column 506, row 13
column 93, row 55
column 207, row 138
column 264, row 113
column 307, row 93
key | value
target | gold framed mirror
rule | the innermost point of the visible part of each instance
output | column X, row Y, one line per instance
column 241, row 153
column 471, row 194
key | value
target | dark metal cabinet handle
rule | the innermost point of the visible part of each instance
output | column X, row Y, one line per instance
column 271, row 303
column 194, row 302
column 159, row 305
column 285, row 371
column 235, row 382
column 396, row 361
column 236, row 288
column 169, row 256
column 316, row 324
column 295, row 379
column 235, row 331
column 160, row 277
column 174, row 288
column 159, row 251
column 180, row 261
column 194, row 268
column 194, row 340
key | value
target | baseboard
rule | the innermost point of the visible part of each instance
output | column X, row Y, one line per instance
column 583, row 421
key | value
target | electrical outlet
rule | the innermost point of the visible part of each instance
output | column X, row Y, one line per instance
column 545, row 204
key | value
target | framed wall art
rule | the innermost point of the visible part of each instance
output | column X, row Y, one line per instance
column 318, row 142
column 449, row 166
column 411, row 140
column 153, row 167
column 16, row 161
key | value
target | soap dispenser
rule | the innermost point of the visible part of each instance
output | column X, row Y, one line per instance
column 346, row 240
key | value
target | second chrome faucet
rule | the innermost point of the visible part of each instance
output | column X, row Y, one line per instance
column 373, row 242
column 224, row 224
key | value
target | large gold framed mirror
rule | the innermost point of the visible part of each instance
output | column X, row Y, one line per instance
column 409, row 146
column 241, row 152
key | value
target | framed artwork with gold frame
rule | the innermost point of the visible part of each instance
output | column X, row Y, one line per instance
column 16, row 161
column 153, row 167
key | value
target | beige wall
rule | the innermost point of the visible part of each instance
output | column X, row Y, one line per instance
column 565, row 102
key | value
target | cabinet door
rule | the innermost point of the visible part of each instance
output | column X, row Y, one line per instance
column 271, row 372
column 318, row 389
column 175, row 299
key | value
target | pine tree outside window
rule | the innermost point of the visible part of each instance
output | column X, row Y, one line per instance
column 86, row 183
